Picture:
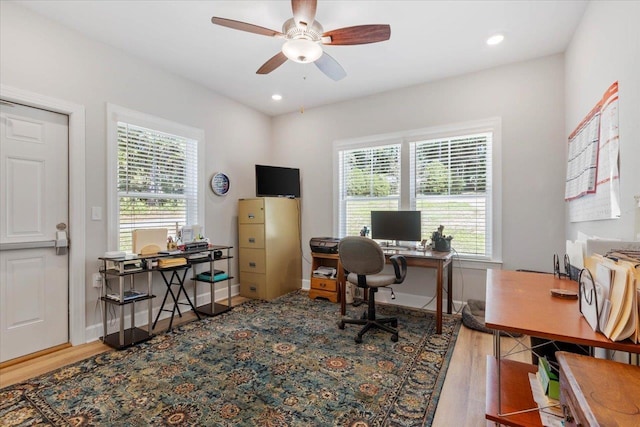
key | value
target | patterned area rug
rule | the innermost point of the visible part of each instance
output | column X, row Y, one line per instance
column 279, row 363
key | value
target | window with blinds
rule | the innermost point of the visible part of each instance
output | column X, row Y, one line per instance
column 446, row 173
column 452, row 186
column 369, row 180
column 157, row 181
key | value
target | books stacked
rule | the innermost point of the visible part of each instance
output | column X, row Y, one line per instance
column 614, row 310
column 171, row 262
column 128, row 295
column 217, row 275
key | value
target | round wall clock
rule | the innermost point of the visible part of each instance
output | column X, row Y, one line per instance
column 220, row 184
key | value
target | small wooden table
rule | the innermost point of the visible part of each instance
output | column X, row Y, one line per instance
column 424, row 259
column 599, row 392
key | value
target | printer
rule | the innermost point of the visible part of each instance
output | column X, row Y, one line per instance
column 324, row 245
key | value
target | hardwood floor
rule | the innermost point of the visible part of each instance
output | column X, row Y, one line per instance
column 462, row 401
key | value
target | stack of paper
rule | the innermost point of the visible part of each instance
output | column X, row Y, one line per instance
column 616, row 295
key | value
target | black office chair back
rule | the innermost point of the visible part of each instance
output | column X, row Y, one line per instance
column 361, row 255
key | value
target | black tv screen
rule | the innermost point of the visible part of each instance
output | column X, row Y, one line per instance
column 277, row 181
column 396, row 225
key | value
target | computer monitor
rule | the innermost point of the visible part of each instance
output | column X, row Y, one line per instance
column 396, row 226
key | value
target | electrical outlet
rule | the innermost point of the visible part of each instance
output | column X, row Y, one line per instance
column 97, row 280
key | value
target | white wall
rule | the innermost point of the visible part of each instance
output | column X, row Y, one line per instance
column 605, row 49
column 40, row 56
column 527, row 96
column 43, row 57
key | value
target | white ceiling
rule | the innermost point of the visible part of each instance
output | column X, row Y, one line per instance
column 430, row 40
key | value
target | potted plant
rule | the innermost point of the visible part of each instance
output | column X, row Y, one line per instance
column 441, row 243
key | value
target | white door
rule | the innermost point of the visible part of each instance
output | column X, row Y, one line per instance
column 34, row 288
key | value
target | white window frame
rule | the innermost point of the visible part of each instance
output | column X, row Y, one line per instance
column 117, row 114
column 405, row 138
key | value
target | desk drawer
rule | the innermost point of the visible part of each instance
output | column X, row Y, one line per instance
column 252, row 260
column 251, row 236
column 324, row 284
column 253, row 285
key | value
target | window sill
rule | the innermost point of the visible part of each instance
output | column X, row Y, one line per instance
column 475, row 264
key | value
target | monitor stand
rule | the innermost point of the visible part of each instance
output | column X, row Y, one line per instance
column 397, row 246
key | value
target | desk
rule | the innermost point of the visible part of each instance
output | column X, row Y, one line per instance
column 425, row 259
column 124, row 271
column 521, row 302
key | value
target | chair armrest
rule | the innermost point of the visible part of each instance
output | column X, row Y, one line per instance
column 400, row 267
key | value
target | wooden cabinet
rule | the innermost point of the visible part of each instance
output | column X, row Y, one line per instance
column 269, row 253
column 326, row 287
column 599, row 392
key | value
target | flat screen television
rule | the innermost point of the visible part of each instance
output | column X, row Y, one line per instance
column 396, row 226
column 276, row 181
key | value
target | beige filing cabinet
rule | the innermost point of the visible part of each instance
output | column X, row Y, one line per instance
column 269, row 257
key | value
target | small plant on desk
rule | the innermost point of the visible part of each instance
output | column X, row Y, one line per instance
column 441, row 243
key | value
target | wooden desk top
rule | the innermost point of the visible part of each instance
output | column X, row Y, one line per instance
column 600, row 392
column 521, row 302
column 430, row 259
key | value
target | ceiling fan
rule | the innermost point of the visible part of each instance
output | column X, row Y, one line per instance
column 304, row 37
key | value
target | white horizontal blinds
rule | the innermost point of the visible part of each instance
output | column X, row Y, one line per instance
column 369, row 180
column 157, row 181
column 452, row 188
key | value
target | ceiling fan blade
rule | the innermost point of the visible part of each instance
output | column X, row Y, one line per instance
column 243, row 26
column 360, row 34
column 304, row 11
column 330, row 67
column 277, row 60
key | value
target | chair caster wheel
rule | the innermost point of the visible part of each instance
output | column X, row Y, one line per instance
column 394, row 338
column 394, row 323
column 341, row 325
column 358, row 339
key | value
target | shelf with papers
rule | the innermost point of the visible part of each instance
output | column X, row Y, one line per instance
column 125, row 295
column 127, row 292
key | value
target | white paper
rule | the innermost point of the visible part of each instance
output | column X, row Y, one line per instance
column 551, row 415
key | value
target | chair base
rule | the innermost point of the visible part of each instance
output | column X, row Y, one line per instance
column 370, row 321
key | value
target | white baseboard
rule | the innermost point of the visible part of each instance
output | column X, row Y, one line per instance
column 94, row 332
column 427, row 302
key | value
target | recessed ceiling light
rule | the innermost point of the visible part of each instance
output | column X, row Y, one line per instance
column 495, row 39
column 276, row 97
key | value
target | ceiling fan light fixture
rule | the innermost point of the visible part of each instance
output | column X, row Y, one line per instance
column 302, row 50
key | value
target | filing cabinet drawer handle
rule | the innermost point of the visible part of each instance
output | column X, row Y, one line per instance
column 253, row 288
column 252, row 240
column 251, row 216
column 252, row 264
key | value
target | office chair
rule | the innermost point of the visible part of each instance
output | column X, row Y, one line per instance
column 363, row 260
